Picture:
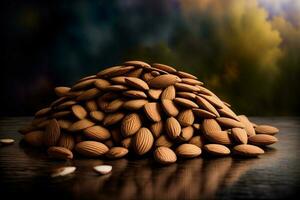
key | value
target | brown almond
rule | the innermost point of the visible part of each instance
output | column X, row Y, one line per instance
column 213, row 100
column 266, row 129
column 262, row 139
column 97, row 133
column 79, row 111
column 164, row 155
column 136, row 94
column 143, row 141
column 197, row 126
column 126, row 143
column 203, row 103
column 147, row 76
column 61, row 91
column 83, row 84
column 239, row 135
column 137, row 83
column 173, row 128
column 34, row 138
column 169, row 107
column 130, row 124
column 163, row 141
column 43, row 112
column 228, row 122
column 152, row 111
column 62, row 114
column 248, row 150
column 217, row 149
column 52, row 133
column 97, row 115
column 188, row 151
column 86, row 78
column 135, row 104
column 198, row 140
column 114, row 105
column 154, row 93
column 227, row 112
column 89, row 94
column 80, row 125
column 116, row 88
column 185, row 102
column 186, row 117
column 109, row 143
column 157, row 129
column 60, row 153
column 66, row 141
column 137, row 63
column 113, row 118
column 65, row 105
column 191, row 81
column 120, row 80
column 186, row 134
column 91, row 148
column 91, row 105
column 203, row 113
column 101, row 84
column 219, row 137
column 248, row 125
column 166, row 68
column 210, row 125
column 116, row 152
column 186, row 95
column 163, row 81
column 168, row 93
column 135, row 73
column 114, row 71
column 185, row 75
column 186, row 87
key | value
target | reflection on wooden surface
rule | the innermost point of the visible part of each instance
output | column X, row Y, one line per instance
column 26, row 170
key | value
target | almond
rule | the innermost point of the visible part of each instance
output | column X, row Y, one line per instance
column 166, row 68
column 191, row 81
column 154, row 93
column 143, row 141
column 52, row 133
column 134, row 104
column 213, row 100
column 79, row 111
column 43, row 112
column 169, row 93
column 137, row 63
column 97, row 115
column 114, row 106
column 80, row 125
column 262, row 139
column 91, row 148
column 137, row 83
column 113, row 118
column 61, row 91
column 163, row 81
column 116, row 152
column 114, row 71
column 186, row 134
column 186, row 87
column 227, row 112
column 248, row 125
column 203, row 113
column 157, row 129
column 63, row 171
column 97, row 133
column 83, row 84
column 217, row 149
column 135, row 73
column 163, row 141
column 137, row 94
column 185, row 102
column 67, row 141
column 173, row 128
column 120, row 80
column 248, row 150
column 130, row 124
column 152, row 111
column 101, row 84
column 34, row 138
column 147, row 76
column 185, row 75
column 197, row 140
column 60, row 153
column 116, row 88
column 65, row 105
column 61, row 114
column 266, row 129
column 206, row 105
column 186, row 117
column 164, row 155
column 219, row 137
column 88, row 94
column 210, row 125
column 169, row 107
column 239, row 135
column 126, row 143
column 103, row 169
column 186, row 95
column 91, row 105
column 228, row 122
column 188, row 151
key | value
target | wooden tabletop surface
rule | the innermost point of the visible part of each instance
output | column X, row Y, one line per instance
column 25, row 172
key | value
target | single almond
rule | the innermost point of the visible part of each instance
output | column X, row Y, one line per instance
column 67, row 141
column 61, row 91
column 60, row 153
column 163, row 141
column 227, row 112
column 114, row 106
column 157, row 128
column 188, row 151
column 97, row 115
column 203, row 103
column 126, row 143
column 91, row 148
column 64, row 124
column 185, row 102
column 219, row 137
column 198, row 140
column 186, row 117
column 137, row 83
column 130, row 124
column 103, row 169
column 166, row 68
column 203, row 113
column 62, row 114
column 169, row 107
column 169, row 93
column 79, row 111
column 210, row 125
column 147, row 76
column 135, row 73
column 136, row 94
column 186, row 87
column 154, row 93
column 266, row 129
column 52, row 133
column 213, row 100
column 186, row 95
column 120, row 80
column 88, row 94
column 248, row 150
column 113, row 118
column 143, row 141
column 34, row 138
column 114, row 71
column 262, row 139
column 186, row 134
column 101, row 84
column 65, row 105
column 63, row 171
column 135, row 104
column 191, row 81
column 163, row 81
column 86, row 78
column 97, row 133
column 152, row 111
column 164, row 155
column 83, row 84
column 137, row 63
column 116, row 152
column 91, row 105
column 80, row 125
column 228, row 122
column 248, row 125
column 43, row 112
column 217, row 149
column 239, row 135
column 185, row 75
column 173, row 127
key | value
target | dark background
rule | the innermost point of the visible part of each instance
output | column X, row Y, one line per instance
column 245, row 51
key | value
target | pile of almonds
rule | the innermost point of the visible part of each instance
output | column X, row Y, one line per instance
column 143, row 109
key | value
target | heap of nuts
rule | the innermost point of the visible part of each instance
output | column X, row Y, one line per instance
column 139, row 108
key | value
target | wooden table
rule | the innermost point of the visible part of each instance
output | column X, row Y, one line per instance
column 25, row 172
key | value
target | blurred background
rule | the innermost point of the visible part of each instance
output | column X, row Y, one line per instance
column 246, row 51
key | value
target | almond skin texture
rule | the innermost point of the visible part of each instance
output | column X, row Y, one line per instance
column 163, row 141
column 186, row 117
column 239, row 135
column 116, row 152
column 248, row 125
column 169, row 107
column 219, row 137
column 203, row 103
column 185, row 102
column 166, row 68
column 210, row 125
column 154, row 93
column 203, row 113
column 188, row 151
column 157, row 128
column 113, row 118
column 163, row 81
column 137, row 83
column 169, row 93
column 262, row 139
column 173, row 128
column 80, row 125
column 266, row 129
column 230, row 123
column 165, row 155
column 198, row 140
column 97, row 133
column 34, row 138
column 143, row 141
column 135, row 104
column 67, row 141
column 52, row 133
column 248, row 150
column 60, row 153
column 79, row 111
column 152, row 111
column 91, row 148
column 130, row 124
column 217, row 149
